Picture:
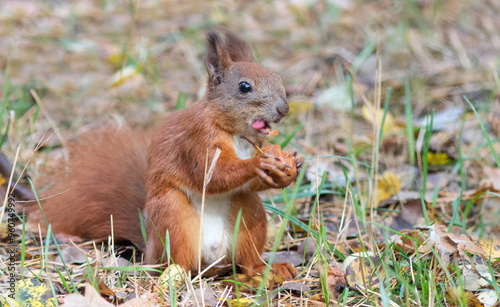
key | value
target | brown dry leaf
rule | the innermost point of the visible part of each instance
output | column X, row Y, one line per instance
column 492, row 180
column 272, row 281
column 4, row 231
column 337, row 281
column 296, row 286
column 293, row 257
column 307, row 248
column 204, row 295
column 71, row 255
column 91, row 298
column 148, row 299
column 449, row 245
column 454, row 295
column 363, row 272
column 411, row 214
column 105, row 290
column 405, row 243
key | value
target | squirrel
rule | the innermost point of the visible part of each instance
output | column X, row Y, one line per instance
column 167, row 187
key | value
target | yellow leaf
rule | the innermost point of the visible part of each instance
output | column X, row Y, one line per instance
column 491, row 246
column 387, row 186
column 240, row 302
column 31, row 292
column 299, row 106
column 375, row 117
column 438, row 158
column 6, row 301
column 173, row 276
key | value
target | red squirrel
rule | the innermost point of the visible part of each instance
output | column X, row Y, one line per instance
column 109, row 172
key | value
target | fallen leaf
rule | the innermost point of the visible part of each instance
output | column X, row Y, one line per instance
column 105, row 290
column 448, row 245
column 293, row 257
column 240, row 302
column 362, row 271
column 172, row 277
column 475, row 276
column 295, row 286
column 410, row 214
column 71, row 255
column 375, row 117
column 205, row 297
column 405, row 243
column 492, row 179
column 307, row 248
column 6, row 301
column 148, row 299
column 337, row 281
column 491, row 246
column 488, row 298
column 438, row 158
column 249, row 283
column 31, row 292
column 91, row 298
column 388, row 185
column 455, row 296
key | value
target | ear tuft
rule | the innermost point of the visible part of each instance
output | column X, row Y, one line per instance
column 238, row 49
column 217, row 60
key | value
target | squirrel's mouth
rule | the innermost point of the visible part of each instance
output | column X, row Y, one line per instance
column 261, row 126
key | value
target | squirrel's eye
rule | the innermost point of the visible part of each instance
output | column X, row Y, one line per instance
column 245, row 87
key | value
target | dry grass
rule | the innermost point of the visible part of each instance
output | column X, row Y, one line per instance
column 135, row 61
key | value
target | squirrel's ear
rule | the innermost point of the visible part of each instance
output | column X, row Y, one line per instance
column 238, row 50
column 217, row 60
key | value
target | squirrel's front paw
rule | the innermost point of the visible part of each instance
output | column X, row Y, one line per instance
column 276, row 167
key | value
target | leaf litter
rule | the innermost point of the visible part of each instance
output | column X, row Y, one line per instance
column 93, row 62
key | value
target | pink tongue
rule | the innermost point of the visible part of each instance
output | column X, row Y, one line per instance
column 258, row 124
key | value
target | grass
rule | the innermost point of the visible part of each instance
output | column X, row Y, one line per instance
column 407, row 59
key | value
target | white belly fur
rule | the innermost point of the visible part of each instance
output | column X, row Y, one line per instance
column 216, row 236
column 242, row 147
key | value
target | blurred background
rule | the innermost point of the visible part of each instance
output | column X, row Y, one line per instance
column 66, row 66
column 394, row 103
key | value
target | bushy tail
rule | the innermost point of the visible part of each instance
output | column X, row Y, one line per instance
column 103, row 176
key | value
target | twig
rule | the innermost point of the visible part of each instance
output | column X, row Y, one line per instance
column 253, row 144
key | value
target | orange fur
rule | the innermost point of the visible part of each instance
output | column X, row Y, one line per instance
column 103, row 177
column 108, row 172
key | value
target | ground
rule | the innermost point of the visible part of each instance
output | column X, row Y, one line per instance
column 394, row 104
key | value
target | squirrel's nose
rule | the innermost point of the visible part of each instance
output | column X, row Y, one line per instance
column 283, row 108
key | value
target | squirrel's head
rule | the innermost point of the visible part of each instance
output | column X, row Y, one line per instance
column 252, row 95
